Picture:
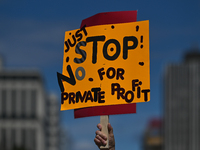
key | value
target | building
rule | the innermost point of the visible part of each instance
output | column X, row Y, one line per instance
column 29, row 117
column 182, row 104
column 153, row 138
column 53, row 129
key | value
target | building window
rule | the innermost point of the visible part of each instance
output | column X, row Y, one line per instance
column 3, row 139
column 23, row 133
column 4, row 99
column 13, row 138
column 33, row 103
column 23, row 103
column 33, row 139
column 13, row 103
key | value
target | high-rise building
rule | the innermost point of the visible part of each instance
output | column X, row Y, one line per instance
column 153, row 139
column 29, row 117
column 182, row 104
column 52, row 127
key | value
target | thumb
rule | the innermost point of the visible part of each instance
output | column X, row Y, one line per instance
column 110, row 129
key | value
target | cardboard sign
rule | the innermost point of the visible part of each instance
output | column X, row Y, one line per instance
column 102, row 19
column 106, row 65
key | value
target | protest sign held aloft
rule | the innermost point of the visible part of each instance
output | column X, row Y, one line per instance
column 105, row 65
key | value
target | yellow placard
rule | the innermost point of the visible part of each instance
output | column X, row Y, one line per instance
column 106, row 65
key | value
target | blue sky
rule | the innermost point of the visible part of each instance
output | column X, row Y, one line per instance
column 32, row 35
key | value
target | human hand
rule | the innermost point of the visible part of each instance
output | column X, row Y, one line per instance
column 101, row 138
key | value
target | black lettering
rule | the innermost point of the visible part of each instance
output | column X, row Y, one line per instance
column 82, row 70
column 114, row 87
column 120, row 73
column 95, row 39
column 71, row 80
column 72, row 44
column 84, row 30
column 101, row 96
column 77, row 96
column 138, row 92
column 66, row 44
column 80, row 51
column 131, row 98
column 64, row 96
column 145, row 94
column 126, row 47
column 95, row 90
column 72, row 98
column 67, row 59
column 78, row 34
column 134, row 84
column 141, row 39
column 101, row 73
column 105, row 51
column 137, row 28
column 82, row 97
column 111, row 69
column 89, row 97
column 120, row 91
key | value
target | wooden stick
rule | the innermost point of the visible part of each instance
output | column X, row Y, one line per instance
column 104, row 120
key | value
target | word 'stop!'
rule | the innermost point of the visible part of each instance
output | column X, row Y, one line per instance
column 105, row 65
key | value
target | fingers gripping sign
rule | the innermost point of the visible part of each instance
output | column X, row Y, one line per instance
column 111, row 137
column 102, row 140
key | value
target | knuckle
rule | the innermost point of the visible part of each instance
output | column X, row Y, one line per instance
column 97, row 132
